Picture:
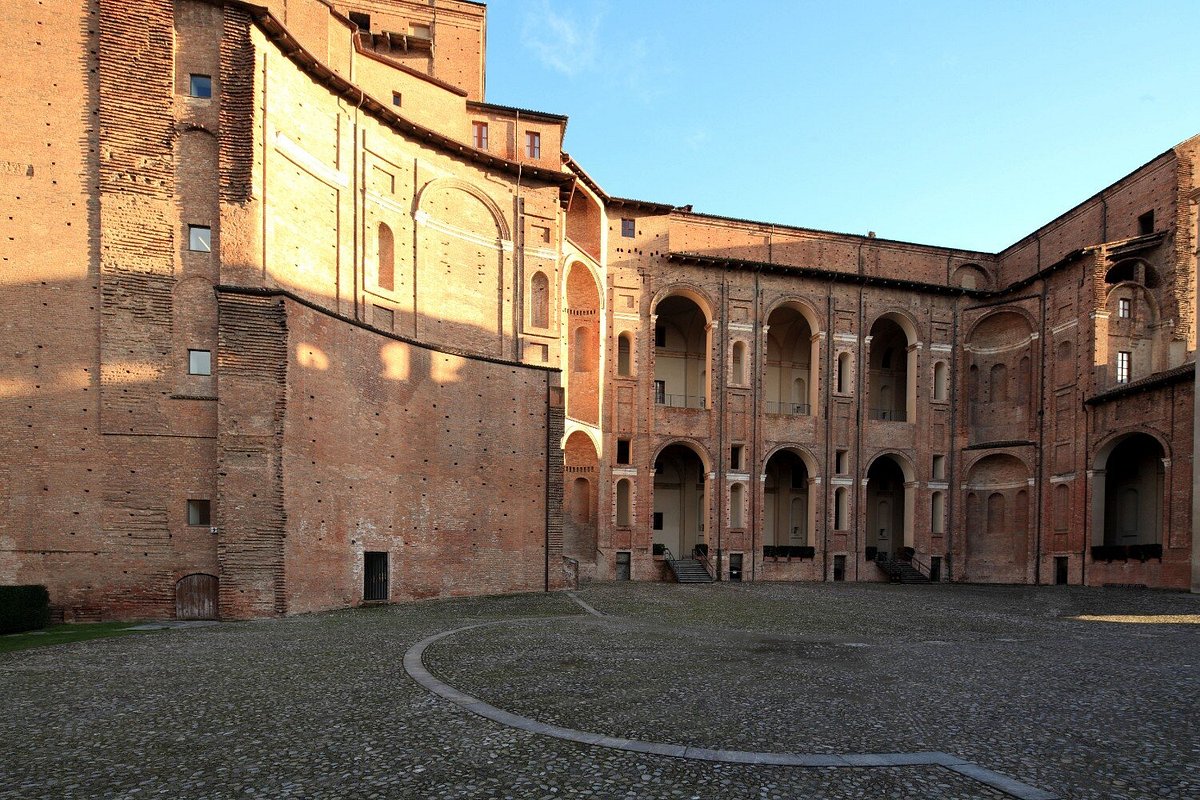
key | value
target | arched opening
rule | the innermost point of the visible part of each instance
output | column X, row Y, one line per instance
column 196, row 596
column 886, row 507
column 387, row 258
column 1134, row 478
column 937, row 513
column 736, row 506
column 941, row 381
column 625, row 354
column 738, row 373
column 970, row 276
column 581, row 475
column 679, row 499
column 681, row 350
column 890, row 356
column 999, row 350
column 624, row 503
column 792, row 354
column 843, row 373
column 786, row 504
column 583, row 309
column 539, row 301
column 998, row 525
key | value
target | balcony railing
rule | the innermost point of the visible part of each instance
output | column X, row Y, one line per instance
column 790, row 409
column 889, row 414
column 679, row 400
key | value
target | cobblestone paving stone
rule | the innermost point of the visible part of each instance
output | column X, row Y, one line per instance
column 319, row 705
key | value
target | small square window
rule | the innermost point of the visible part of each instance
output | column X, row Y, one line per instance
column 200, row 85
column 533, row 144
column 200, row 238
column 1124, row 308
column 199, row 512
column 628, row 228
column 199, row 362
column 479, row 132
column 397, row 99
column 622, row 451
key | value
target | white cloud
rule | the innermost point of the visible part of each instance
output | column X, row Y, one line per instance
column 565, row 41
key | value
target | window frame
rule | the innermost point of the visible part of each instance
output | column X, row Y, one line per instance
column 533, row 144
column 628, row 227
column 192, row 369
column 199, row 234
column 196, row 79
column 479, row 134
column 203, row 512
column 1124, row 366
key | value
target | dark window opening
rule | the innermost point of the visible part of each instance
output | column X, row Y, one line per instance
column 363, row 21
column 628, row 228
column 375, row 576
column 735, row 457
column 1146, row 223
column 623, row 566
column 1060, row 570
column 199, row 512
column 397, row 99
column 799, row 477
column 935, row 569
column 660, row 336
column 658, row 520
column 839, row 568
column 622, row 451
column 735, row 567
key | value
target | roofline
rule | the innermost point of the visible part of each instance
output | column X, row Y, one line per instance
column 525, row 112
column 583, row 176
column 396, row 65
column 1168, row 377
column 278, row 35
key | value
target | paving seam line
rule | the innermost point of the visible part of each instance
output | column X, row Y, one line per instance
column 414, row 665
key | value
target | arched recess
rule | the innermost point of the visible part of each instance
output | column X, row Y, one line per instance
column 1133, row 270
column 1131, row 323
column 582, row 296
column 682, row 348
column 680, row 497
column 581, row 474
column 892, row 389
column 890, row 497
column 789, row 500
column 1128, row 484
column 460, row 264
column 999, row 529
column 971, row 276
column 941, row 381
column 539, row 301
column 196, row 596
column 1000, row 355
column 385, row 257
column 793, row 360
column 625, row 354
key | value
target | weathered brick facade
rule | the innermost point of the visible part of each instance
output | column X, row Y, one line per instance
column 291, row 312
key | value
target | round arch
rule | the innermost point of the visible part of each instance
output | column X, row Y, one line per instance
column 691, row 292
column 693, row 445
column 972, row 269
column 801, row 452
column 573, row 428
column 902, row 318
column 570, row 263
column 1140, row 290
column 989, row 318
column 997, row 458
column 801, row 307
column 788, row 508
column 439, row 184
column 903, row 461
column 1106, row 445
column 888, row 521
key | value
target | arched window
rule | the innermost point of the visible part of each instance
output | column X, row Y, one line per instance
column 843, row 373
column 581, row 362
column 625, row 354
column 539, row 301
column 995, row 513
column 739, row 363
column 624, row 503
column 735, row 505
column 841, row 508
column 387, row 258
column 937, row 513
column 941, row 381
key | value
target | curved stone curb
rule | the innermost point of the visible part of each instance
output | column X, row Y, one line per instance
column 414, row 665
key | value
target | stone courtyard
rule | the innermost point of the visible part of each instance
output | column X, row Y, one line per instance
column 968, row 692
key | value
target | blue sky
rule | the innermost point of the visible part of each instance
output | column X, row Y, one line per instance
column 964, row 124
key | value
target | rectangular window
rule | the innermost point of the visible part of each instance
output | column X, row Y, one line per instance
column 199, row 512
column 200, row 85
column 735, row 456
column 479, row 130
column 628, row 228
column 375, row 576
column 363, row 21
column 533, row 144
column 1123, row 362
column 397, row 99
column 418, row 31
column 200, row 238
column 199, row 362
column 658, row 520
column 1146, row 223
column 623, row 566
column 660, row 336
column 1124, row 308
column 939, row 468
column 841, row 462
column 622, row 451
column 660, row 392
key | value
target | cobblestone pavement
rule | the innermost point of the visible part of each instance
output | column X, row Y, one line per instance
column 319, row 705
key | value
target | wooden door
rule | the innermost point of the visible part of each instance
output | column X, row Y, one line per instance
column 196, row 597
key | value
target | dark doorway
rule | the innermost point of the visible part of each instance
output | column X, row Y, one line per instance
column 196, row 597
column 375, row 576
column 1060, row 570
column 839, row 568
column 622, row 566
column 935, row 569
column 735, row 567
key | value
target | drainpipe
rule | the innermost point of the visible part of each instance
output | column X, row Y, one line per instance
column 1039, row 456
column 720, row 406
column 827, row 393
column 546, row 497
column 952, row 456
column 753, row 456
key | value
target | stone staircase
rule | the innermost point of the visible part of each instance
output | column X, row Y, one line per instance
column 902, row 572
column 689, row 570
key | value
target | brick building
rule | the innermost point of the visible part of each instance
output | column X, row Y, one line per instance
column 294, row 318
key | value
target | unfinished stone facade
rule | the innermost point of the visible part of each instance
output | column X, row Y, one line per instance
column 294, row 319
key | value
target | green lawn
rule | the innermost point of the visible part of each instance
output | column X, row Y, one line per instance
column 63, row 634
